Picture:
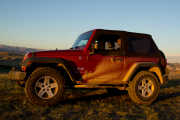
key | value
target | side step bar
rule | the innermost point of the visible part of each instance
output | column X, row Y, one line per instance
column 120, row 87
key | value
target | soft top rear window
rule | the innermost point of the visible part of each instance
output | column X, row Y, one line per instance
column 137, row 45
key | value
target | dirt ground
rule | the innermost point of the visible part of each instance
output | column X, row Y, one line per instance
column 90, row 105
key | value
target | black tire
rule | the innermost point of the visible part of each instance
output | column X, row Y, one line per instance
column 35, row 77
column 135, row 86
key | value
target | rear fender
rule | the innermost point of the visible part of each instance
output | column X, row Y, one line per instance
column 158, row 72
column 135, row 68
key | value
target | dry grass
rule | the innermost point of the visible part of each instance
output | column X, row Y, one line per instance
column 87, row 104
column 90, row 104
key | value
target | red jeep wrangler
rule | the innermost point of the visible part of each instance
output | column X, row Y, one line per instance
column 98, row 59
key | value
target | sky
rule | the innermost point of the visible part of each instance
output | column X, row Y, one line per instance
column 51, row 24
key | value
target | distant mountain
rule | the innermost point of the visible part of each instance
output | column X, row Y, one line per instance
column 17, row 50
column 173, row 59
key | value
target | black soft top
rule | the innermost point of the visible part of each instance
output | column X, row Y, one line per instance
column 125, row 32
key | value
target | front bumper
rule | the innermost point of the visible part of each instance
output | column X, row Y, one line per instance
column 16, row 75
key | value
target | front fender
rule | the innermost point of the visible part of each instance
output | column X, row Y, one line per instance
column 68, row 66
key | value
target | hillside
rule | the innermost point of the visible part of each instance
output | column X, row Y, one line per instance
column 173, row 59
column 16, row 50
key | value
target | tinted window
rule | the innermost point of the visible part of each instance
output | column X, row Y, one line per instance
column 139, row 45
column 109, row 44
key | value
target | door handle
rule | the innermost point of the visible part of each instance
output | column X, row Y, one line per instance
column 119, row 59
column 116, row 59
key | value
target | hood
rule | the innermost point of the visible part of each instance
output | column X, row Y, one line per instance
column 58, row 53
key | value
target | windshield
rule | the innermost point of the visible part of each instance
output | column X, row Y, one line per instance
column 82, row 40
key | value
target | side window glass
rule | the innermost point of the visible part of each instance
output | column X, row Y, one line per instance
column 139, row 45
column 109, row 44
column 118, row 44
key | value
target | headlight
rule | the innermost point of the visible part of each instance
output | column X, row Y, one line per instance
column 27, row 55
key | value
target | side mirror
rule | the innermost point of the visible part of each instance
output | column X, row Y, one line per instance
column 94, row 51
column 91, row 52
column 93, row 48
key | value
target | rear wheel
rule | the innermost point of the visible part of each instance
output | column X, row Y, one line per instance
column 45, row 86
column 144, row 88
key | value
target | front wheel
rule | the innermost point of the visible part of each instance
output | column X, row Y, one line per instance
column 144, row 88
column 45, row 86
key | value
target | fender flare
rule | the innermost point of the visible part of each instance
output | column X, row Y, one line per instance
column 45, row 60
column 158, row 72
column 152, row 67
column 67, row 71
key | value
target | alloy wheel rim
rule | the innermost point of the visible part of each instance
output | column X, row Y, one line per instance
column 146, row 87
column 46, row 87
